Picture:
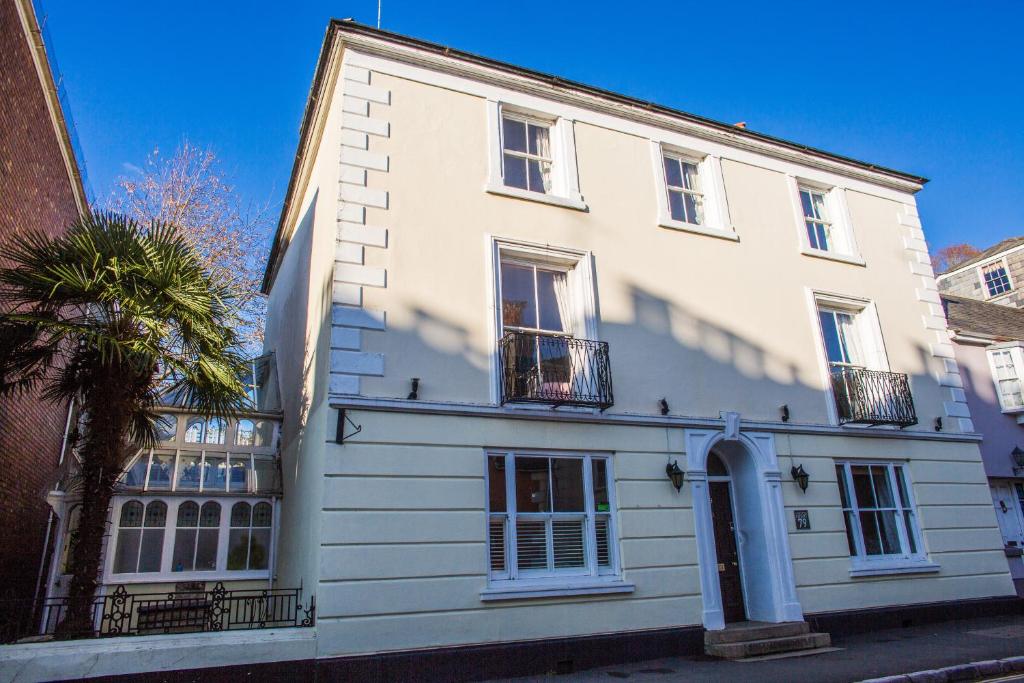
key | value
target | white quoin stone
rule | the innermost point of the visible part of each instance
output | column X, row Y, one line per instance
column 366, row 124
column 346, row 293
column 344, row 384
column 360, row 275
column 352, row 174
column 368, row 92
column 346, row 338
column 357, row 74
column 370, row 235
column 364, row 195
column 368, row 319
column 357, row 362
column 354, row 139
column 347, row 252
column 360, row 157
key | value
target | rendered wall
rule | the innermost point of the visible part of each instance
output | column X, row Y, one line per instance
column 1002, row 433
column 404, row 556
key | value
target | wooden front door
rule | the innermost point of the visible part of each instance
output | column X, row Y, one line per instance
column 725, row 547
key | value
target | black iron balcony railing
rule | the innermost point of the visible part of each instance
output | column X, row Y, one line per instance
column 873, row 397
column 121, row 613
column 556, row 370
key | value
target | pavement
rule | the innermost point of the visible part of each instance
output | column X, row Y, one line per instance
column 858, row 657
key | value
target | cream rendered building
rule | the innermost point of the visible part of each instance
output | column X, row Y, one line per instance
column 504, row 305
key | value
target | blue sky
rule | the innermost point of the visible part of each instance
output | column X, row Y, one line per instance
column 931, row 88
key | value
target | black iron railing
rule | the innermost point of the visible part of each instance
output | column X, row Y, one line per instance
column 554, row 369
column 122, row 613
column 873, row 397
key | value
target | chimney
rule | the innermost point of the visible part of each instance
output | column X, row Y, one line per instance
column 741, row 124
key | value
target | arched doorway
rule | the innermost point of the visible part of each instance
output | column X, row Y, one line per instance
column 739, row 517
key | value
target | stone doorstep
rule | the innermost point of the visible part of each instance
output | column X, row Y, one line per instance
column 755, row 630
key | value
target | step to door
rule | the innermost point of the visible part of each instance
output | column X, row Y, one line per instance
column 767, row 646
column 755, row 630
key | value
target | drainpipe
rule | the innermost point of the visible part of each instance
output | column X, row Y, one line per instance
column 50, row 515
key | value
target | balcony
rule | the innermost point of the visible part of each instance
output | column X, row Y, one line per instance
column 120, row 613
column 872, row 397
column 555, row 370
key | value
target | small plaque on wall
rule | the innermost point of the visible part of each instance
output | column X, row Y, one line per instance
column 802, row 519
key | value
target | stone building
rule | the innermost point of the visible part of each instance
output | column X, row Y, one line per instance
column 995, row 275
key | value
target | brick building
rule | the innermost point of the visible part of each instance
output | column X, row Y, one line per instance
column 996, row 275
column 41, row 187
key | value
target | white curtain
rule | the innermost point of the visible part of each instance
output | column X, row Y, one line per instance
column 543, row 142
column 565, row 312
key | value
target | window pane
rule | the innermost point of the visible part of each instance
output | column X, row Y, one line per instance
column 567, row 481
column 848, row 337
column 216, row 430
column 517, row 296
column 862, row 487
column 883, row 492
column 553, row 300
column 694, row 209
column 539, row 176
column 869, row 527
column 515, row 172
column 673, row 176
column 531, row 544
column 818, row 203
column 259, row 549
column 131, row 514
column 184, row 550
column 238, row 548
column 599, row 469
column 513, row 134
column 841, row 479
column 532, row 494
column 156, row 514
column 567, row 542
column 188, row 514
column 151, row 550
column 165, row 427
column 215, row 476
column 821, row 237
column 262, row 515
column 245, row 433
column 240, row 468
column 848, row 516
column 210, row 516
column 496, row 535
column 127, row 550
column 691, row 177
column 188, row 472
column 911, row 526
column 833, row 346
column 268, row 476
column 241, row 515
column 601, row 524
column 805, row 202
column 496, row 483
column 206, row 550
column 136, row 476
column 538, row 139
column 715, row 466
column 160, row 471
column 889, row 533
column 195, row 429
column 675, row 206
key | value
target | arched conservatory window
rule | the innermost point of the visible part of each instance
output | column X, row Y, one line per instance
column 249, row 539
column 195, row 539
column 140, row 537
column 202, row 430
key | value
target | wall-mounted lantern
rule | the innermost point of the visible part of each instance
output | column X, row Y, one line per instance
column 415, row 393
column 938, row 424
column 800, row 476
column 1018, row 459
column 675, row 475
column 663, row 405
column 784, row 413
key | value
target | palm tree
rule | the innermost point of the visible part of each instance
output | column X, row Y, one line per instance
column 113, row 315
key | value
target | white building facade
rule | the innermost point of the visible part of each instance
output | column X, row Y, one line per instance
column 561, row 366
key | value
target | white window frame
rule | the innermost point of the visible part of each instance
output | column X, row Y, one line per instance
column 842, row 234
column 904, row 561
column 984, row 285
column 535, row 583
column 869, row 336
column 170, row 530
column 578, row 265
column 717, row 221
column 1016, row 351
column 565, row 185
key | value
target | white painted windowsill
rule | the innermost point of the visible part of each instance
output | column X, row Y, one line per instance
column 709, row 231
column 832, row 256
column 208, row 577
column 565, row 202
column 539, row 590
column 884, row 568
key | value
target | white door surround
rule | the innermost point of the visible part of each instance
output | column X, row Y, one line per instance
column 766, row 567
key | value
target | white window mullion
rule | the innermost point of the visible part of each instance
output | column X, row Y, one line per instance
column 149, row 467
column 589, row 523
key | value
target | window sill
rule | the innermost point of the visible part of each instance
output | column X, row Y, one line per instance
column 832, row 256
column 169, row 577
column 707, row 230
column 886, row 568
column 565, row 202
column 554, row 590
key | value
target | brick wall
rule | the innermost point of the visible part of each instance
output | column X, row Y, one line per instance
column 35, row 192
